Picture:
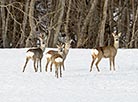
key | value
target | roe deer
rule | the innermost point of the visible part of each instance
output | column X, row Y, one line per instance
column 50, row 53
column 58, row 60
column 106, row 52
column 36, row 53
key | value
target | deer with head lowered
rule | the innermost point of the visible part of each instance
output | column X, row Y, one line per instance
column 36, row 53
column 106, row 52
column 50, row 53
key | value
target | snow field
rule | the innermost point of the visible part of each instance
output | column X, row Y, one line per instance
column 77, row 83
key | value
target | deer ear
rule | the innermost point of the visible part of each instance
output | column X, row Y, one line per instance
column 63, row 45
column 57, row 46
column 119, row 34
column 113, row 34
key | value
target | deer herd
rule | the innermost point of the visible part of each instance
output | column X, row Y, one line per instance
column 57, row 57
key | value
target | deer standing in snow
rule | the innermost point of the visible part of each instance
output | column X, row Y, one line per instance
column 58, row 60
column 50, row 53
column 106, row 52
column 36, row 53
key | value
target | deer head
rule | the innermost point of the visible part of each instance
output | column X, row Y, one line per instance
column 116, row 39
column 43, row 41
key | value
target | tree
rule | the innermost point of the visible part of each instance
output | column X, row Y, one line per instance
column 4, row 24
column 134, row 32
column 88, row 23
column 59, row 22
column 85, row 23
column 102, row 24
column 24, row 24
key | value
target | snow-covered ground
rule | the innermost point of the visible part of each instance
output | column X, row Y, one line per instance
column 77, row 83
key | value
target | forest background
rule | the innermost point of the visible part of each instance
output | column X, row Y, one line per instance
column 88, row 23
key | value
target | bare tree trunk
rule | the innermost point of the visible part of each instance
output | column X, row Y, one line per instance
column 119, row 27
column 6, row 28
column 14, row 34
column 4, row 36
column 67, row 18
column 128, row 28
column 24, row 22
column 111, row 14
column 133, row 29
column 111, row 22
column 4, row 24
column 59, row 22
column 86, row 21
column 49, row 3
column 102, row 24
column 31, row 39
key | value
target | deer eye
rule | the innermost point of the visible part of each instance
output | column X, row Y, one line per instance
column 116, row 39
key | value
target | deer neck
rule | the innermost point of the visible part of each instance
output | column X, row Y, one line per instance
column 67, row 47
column 116, row 44
column 42, row 38
column 66, row 51
column 43, row 47
column 61, row 53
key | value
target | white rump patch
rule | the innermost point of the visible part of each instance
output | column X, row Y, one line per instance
column 29, row 54
column 58, row 59
column 48, row 55
column 95, row 51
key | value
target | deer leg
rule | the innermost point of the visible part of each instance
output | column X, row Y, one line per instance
column 40, row 66
column 110, row 60
column 51, row 66
column 25, row 64
column 63, row 65
column 35, row 66
column 92, row 64
column 99, row 59
column 56, row 71
column 114, row 63
column 60, row 70
column 47, row 64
